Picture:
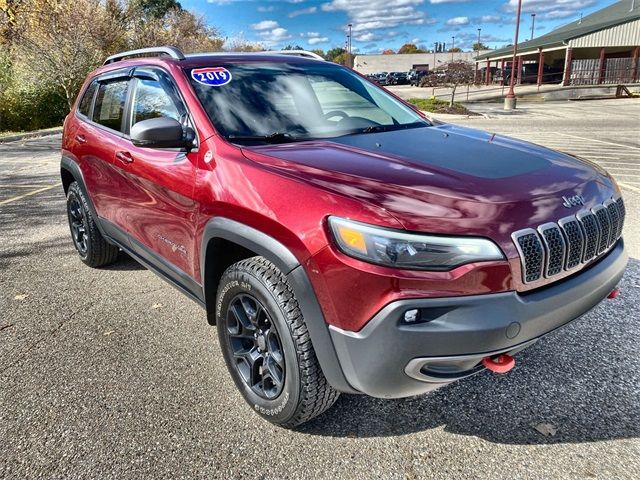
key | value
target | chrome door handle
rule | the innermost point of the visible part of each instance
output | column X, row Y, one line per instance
column 81, row 139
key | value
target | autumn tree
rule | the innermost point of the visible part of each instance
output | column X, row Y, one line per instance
column 47, row 47
column 388, row 51
column 319, row 51
column 450, row 75
column 57, row 42
column 479, row 46
column 410, row 48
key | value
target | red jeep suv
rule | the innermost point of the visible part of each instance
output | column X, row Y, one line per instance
column 339, row 239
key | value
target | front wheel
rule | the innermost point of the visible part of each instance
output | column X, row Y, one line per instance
column 266, row 345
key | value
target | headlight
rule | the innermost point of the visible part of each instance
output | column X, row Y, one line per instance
column 410, row 251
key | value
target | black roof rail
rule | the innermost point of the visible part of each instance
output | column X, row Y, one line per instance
column 172, row 52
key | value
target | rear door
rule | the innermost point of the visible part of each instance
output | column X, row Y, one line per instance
column 160, row 210
column 102, row 136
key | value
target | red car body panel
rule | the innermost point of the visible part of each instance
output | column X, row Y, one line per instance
column 288, row 191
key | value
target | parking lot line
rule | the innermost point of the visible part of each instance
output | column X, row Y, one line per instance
column 629, row 187
column 28, row 194
column 598, row 141
column 22, row 186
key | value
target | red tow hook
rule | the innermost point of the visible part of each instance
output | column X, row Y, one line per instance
column 614, row 293
column 499, row 364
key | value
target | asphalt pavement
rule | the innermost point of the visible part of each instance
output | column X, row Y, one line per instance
column 111, row 373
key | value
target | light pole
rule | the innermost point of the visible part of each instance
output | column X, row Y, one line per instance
column 477, row 65
column 346, row 52
column 533, row 24
column 435, row 49
column 453, row 45
column 349, row 42
column 510, row 99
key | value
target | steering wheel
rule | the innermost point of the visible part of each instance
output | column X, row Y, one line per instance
column 335, row 113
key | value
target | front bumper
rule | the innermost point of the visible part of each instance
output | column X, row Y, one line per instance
column 392, row 359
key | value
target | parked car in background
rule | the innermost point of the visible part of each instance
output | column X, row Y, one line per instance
column 414, row 76
column 397, row 78
column 382, row 78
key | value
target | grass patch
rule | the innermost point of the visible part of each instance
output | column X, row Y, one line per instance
column 44, row 131
column 435, row 105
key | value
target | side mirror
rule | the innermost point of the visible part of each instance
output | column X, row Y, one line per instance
column 161, row 132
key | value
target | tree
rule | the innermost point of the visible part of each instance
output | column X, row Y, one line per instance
column 57, row 42
column 479, row 46
column 47, row 47
column 158, row 8
column 450, row 75
column 319, row 51
column 335, row 53
column 388, row 51
column 454, row 50
column 293, row 47
column 410, row 48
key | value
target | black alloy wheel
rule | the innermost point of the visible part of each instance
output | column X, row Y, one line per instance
column 256, row 346
column 77, row 222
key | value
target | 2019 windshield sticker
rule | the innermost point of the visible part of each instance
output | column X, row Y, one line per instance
column 211, row 76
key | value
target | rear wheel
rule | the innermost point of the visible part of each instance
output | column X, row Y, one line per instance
column 267, row 347
column 91, row 246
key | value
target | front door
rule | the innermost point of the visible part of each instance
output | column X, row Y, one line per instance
column 160, row 211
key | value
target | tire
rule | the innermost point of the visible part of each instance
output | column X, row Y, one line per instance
column 91, row 246
column 260, row 324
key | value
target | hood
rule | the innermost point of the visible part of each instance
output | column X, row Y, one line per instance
column 445, row 179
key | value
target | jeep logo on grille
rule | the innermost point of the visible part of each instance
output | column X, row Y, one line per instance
column 573, row 201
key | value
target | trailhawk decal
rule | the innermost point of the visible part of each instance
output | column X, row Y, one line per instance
column 211, row 76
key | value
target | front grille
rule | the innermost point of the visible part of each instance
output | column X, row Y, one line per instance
column 573, row 241
column 531, row 253
column 592, row 234
column 605, row 227
column 554, row 248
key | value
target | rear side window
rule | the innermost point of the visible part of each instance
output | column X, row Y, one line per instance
column 152, row 101
column 87, row 99
column 110, row 101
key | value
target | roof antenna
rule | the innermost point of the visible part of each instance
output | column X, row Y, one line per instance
column 580, row 21
column 633, row 5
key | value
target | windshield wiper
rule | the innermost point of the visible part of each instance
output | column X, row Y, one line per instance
column 276, row 137
column 389, row 128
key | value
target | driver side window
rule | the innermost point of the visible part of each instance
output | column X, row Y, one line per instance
column 151, row 101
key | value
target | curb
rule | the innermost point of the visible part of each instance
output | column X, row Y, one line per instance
column 26, row 135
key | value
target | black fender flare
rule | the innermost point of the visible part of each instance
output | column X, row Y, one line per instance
column 67, row 164
column 274, row 251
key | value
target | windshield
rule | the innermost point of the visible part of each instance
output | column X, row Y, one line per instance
column 279, row 102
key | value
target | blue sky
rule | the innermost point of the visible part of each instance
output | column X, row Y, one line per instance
column 380, row 24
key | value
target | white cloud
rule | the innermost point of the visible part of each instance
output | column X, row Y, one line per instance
column 317, row 40
column 367, row 37
column 367, row 15
column 457, row 21
column 303, row 11
column 269, row 8
column 265, row 25
column 437, row 2
column 490, row 19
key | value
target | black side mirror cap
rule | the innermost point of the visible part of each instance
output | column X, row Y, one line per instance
column 161, row 132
